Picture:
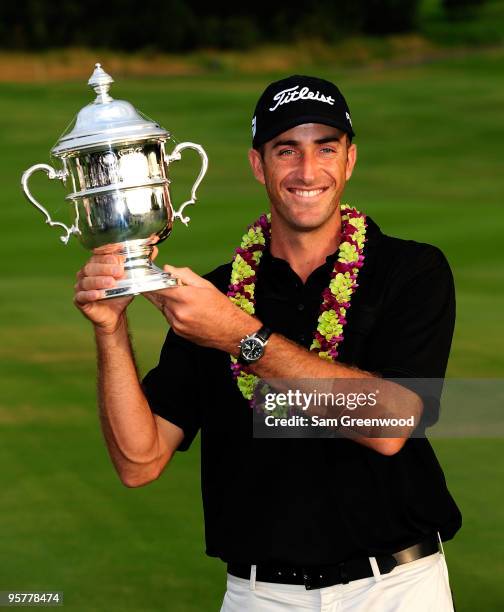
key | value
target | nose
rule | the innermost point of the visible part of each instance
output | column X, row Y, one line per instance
column 307, row 171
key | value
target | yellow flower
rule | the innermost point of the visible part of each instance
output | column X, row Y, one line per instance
column 240, row 270
column 348, row 253
column 247, row 384
column 243, row 303
column 357, row 222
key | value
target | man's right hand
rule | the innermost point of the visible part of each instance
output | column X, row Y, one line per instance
column 99, row 273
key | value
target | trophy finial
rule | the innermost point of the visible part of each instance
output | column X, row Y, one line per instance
column 100, row 81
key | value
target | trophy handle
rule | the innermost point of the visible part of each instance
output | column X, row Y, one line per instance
column 176, row 156
column 52, row 174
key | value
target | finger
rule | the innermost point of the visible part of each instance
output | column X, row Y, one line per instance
column 152, row 297
column 112, row 258
column 114, row 251
column 96, row 282
column 166, row 298
column 186, row 276
column 155, row 252
column 156, row 298
column 102, row 269
column 85, row 297
column 160, row 303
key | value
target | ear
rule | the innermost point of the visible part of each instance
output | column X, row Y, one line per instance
column 256, row 163
column 351, row 160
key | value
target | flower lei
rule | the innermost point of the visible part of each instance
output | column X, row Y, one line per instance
column 336, row 297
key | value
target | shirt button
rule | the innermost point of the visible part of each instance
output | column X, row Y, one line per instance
column 300, row 307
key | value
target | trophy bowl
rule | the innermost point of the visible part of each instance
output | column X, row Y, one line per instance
column 115, row 167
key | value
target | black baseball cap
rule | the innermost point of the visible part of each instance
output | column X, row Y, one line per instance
column 295, row 100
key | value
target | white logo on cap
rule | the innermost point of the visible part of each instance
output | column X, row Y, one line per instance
column 348, row 117
column 254, row 122
column 292, row 95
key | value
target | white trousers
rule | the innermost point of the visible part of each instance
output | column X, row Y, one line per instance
column 418, row 586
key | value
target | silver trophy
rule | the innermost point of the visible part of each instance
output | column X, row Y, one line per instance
column 115, row 166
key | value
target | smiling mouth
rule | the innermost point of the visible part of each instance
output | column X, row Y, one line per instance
column 307, row 193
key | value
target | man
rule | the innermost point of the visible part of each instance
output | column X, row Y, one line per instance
column 304, row 524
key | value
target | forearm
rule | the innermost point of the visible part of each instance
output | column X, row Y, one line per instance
column 126, row 420
column 284, row 358
column 286, row 361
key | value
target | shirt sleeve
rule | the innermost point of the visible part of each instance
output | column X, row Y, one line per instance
column 416, row 328
column 171, row 389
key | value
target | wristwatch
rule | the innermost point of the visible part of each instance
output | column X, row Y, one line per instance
column 252, row 346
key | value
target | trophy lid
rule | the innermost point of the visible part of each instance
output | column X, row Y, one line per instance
column 106, row 121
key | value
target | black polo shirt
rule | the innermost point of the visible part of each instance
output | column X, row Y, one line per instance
column 318, row 501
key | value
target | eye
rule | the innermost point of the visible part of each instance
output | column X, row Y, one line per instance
column 286, row 152
column 328, row 150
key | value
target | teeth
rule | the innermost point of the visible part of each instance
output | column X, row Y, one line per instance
column 307, row 194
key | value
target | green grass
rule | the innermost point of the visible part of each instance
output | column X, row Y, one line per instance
column 474, row 26
column 430, row 158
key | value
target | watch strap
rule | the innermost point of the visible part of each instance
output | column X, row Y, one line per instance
column 264, row 333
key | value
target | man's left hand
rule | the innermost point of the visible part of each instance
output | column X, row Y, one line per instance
column 199, row 312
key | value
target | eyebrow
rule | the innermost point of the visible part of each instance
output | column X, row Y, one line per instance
column 295, row 143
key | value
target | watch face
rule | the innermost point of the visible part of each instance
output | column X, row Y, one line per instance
column 252, row 349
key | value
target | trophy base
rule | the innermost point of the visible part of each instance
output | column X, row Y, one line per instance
column 127, row 286
column 140, row 274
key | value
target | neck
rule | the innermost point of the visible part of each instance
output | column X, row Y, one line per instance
column 305, row 251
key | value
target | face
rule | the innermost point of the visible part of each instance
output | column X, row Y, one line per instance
column 305, row 170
